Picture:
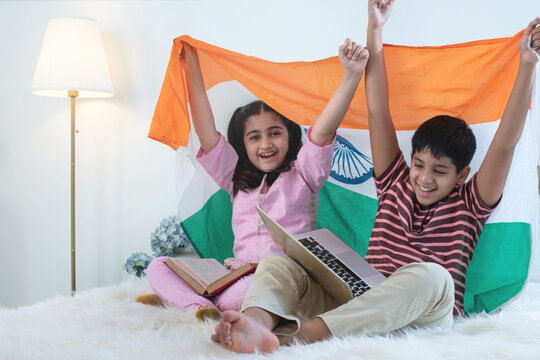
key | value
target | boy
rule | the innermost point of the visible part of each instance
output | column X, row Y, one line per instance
column 425, row 231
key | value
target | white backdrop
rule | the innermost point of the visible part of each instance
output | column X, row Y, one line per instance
column 125, row 181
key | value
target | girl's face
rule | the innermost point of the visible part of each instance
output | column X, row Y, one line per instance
column 266, row 140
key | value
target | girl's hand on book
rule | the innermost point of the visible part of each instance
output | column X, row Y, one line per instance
column 233, row 264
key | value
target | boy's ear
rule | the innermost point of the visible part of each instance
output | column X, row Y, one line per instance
column 463, row 174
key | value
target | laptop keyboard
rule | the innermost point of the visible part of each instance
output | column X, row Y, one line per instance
column 357, row 285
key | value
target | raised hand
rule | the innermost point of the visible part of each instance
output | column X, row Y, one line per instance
column 379, row 11
column 201, row 112
column 530, row 38
column 353, row 56
column 189, row 58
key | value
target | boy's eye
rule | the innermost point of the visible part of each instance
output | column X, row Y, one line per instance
column 439, row 172
column 419, row 166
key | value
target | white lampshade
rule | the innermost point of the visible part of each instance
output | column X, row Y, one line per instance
column 72, row 58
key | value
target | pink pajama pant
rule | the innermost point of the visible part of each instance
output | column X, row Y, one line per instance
column 172, row 290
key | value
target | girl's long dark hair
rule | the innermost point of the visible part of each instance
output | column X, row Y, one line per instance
column 246, row 175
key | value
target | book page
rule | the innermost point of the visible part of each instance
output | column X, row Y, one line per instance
column 208, row 270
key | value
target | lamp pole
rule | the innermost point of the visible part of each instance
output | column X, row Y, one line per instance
column 73, row 95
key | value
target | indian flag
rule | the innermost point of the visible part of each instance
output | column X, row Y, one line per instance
column 471, row 81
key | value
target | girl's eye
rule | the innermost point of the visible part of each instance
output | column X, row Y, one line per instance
column 254, row 137
column 275, row 133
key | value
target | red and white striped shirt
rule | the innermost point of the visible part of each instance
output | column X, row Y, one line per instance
column 406, row 231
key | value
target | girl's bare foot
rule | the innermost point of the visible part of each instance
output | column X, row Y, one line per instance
column 240, row 333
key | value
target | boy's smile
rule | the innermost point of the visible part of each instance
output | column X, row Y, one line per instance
column 433, row 178
column 266, row 140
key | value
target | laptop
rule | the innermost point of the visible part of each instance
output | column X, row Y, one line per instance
column 333, row 264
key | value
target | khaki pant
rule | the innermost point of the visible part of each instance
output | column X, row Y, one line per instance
column 416, row 295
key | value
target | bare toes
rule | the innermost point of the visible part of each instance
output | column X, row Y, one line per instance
column 215, row 338
column 225, row 330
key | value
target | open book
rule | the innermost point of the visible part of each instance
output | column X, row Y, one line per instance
column 207, row 276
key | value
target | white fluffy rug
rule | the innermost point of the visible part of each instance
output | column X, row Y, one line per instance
column 107, row 323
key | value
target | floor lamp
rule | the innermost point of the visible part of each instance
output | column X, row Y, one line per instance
column 72, row 64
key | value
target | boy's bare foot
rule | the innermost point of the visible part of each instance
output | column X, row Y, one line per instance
column 240, row 333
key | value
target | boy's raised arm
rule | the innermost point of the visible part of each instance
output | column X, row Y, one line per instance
column 382, row 135
column 201, row 112
column 353, row 58
column 494, row 169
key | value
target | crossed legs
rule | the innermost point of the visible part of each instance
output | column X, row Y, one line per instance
column 285, row 304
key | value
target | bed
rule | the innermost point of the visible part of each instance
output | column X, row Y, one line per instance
column 107, row 323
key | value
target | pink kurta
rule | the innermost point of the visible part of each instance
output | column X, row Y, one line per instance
column 292, row 201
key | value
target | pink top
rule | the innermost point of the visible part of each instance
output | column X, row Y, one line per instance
column 292, row 200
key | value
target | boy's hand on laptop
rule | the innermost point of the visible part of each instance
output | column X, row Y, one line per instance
column 529, row 47
column 379, row 11
column 233, row 264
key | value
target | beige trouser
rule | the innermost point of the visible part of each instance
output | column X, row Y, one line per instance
column 416, row 295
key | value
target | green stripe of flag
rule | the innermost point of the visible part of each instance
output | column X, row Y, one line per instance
column 499, row 266
column 209, row 230
column 347, row 214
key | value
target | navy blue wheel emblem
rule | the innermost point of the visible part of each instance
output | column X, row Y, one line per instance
column 349, row 165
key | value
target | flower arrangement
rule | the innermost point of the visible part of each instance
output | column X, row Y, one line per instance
column 167, row 237
column 137, row 263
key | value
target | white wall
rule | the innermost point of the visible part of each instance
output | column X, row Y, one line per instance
column 125, row 181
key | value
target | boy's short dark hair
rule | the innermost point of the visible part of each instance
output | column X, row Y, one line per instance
column 445, row 135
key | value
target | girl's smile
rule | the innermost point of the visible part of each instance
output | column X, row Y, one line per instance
column 266, row 140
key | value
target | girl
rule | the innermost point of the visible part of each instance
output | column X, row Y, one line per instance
column 263, row 163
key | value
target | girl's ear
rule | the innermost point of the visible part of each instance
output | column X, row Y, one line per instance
column 463, row 174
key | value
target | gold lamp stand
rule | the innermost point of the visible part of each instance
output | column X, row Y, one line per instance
column 73, row 95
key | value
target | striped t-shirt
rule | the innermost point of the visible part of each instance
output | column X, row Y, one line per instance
column 406, row 231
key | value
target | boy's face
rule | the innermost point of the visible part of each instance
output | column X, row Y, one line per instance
column 432, row 178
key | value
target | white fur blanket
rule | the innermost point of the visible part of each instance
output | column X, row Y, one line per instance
column 107, row 323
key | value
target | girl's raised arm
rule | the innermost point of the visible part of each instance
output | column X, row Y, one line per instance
column 201, row 112
column 353, row 58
